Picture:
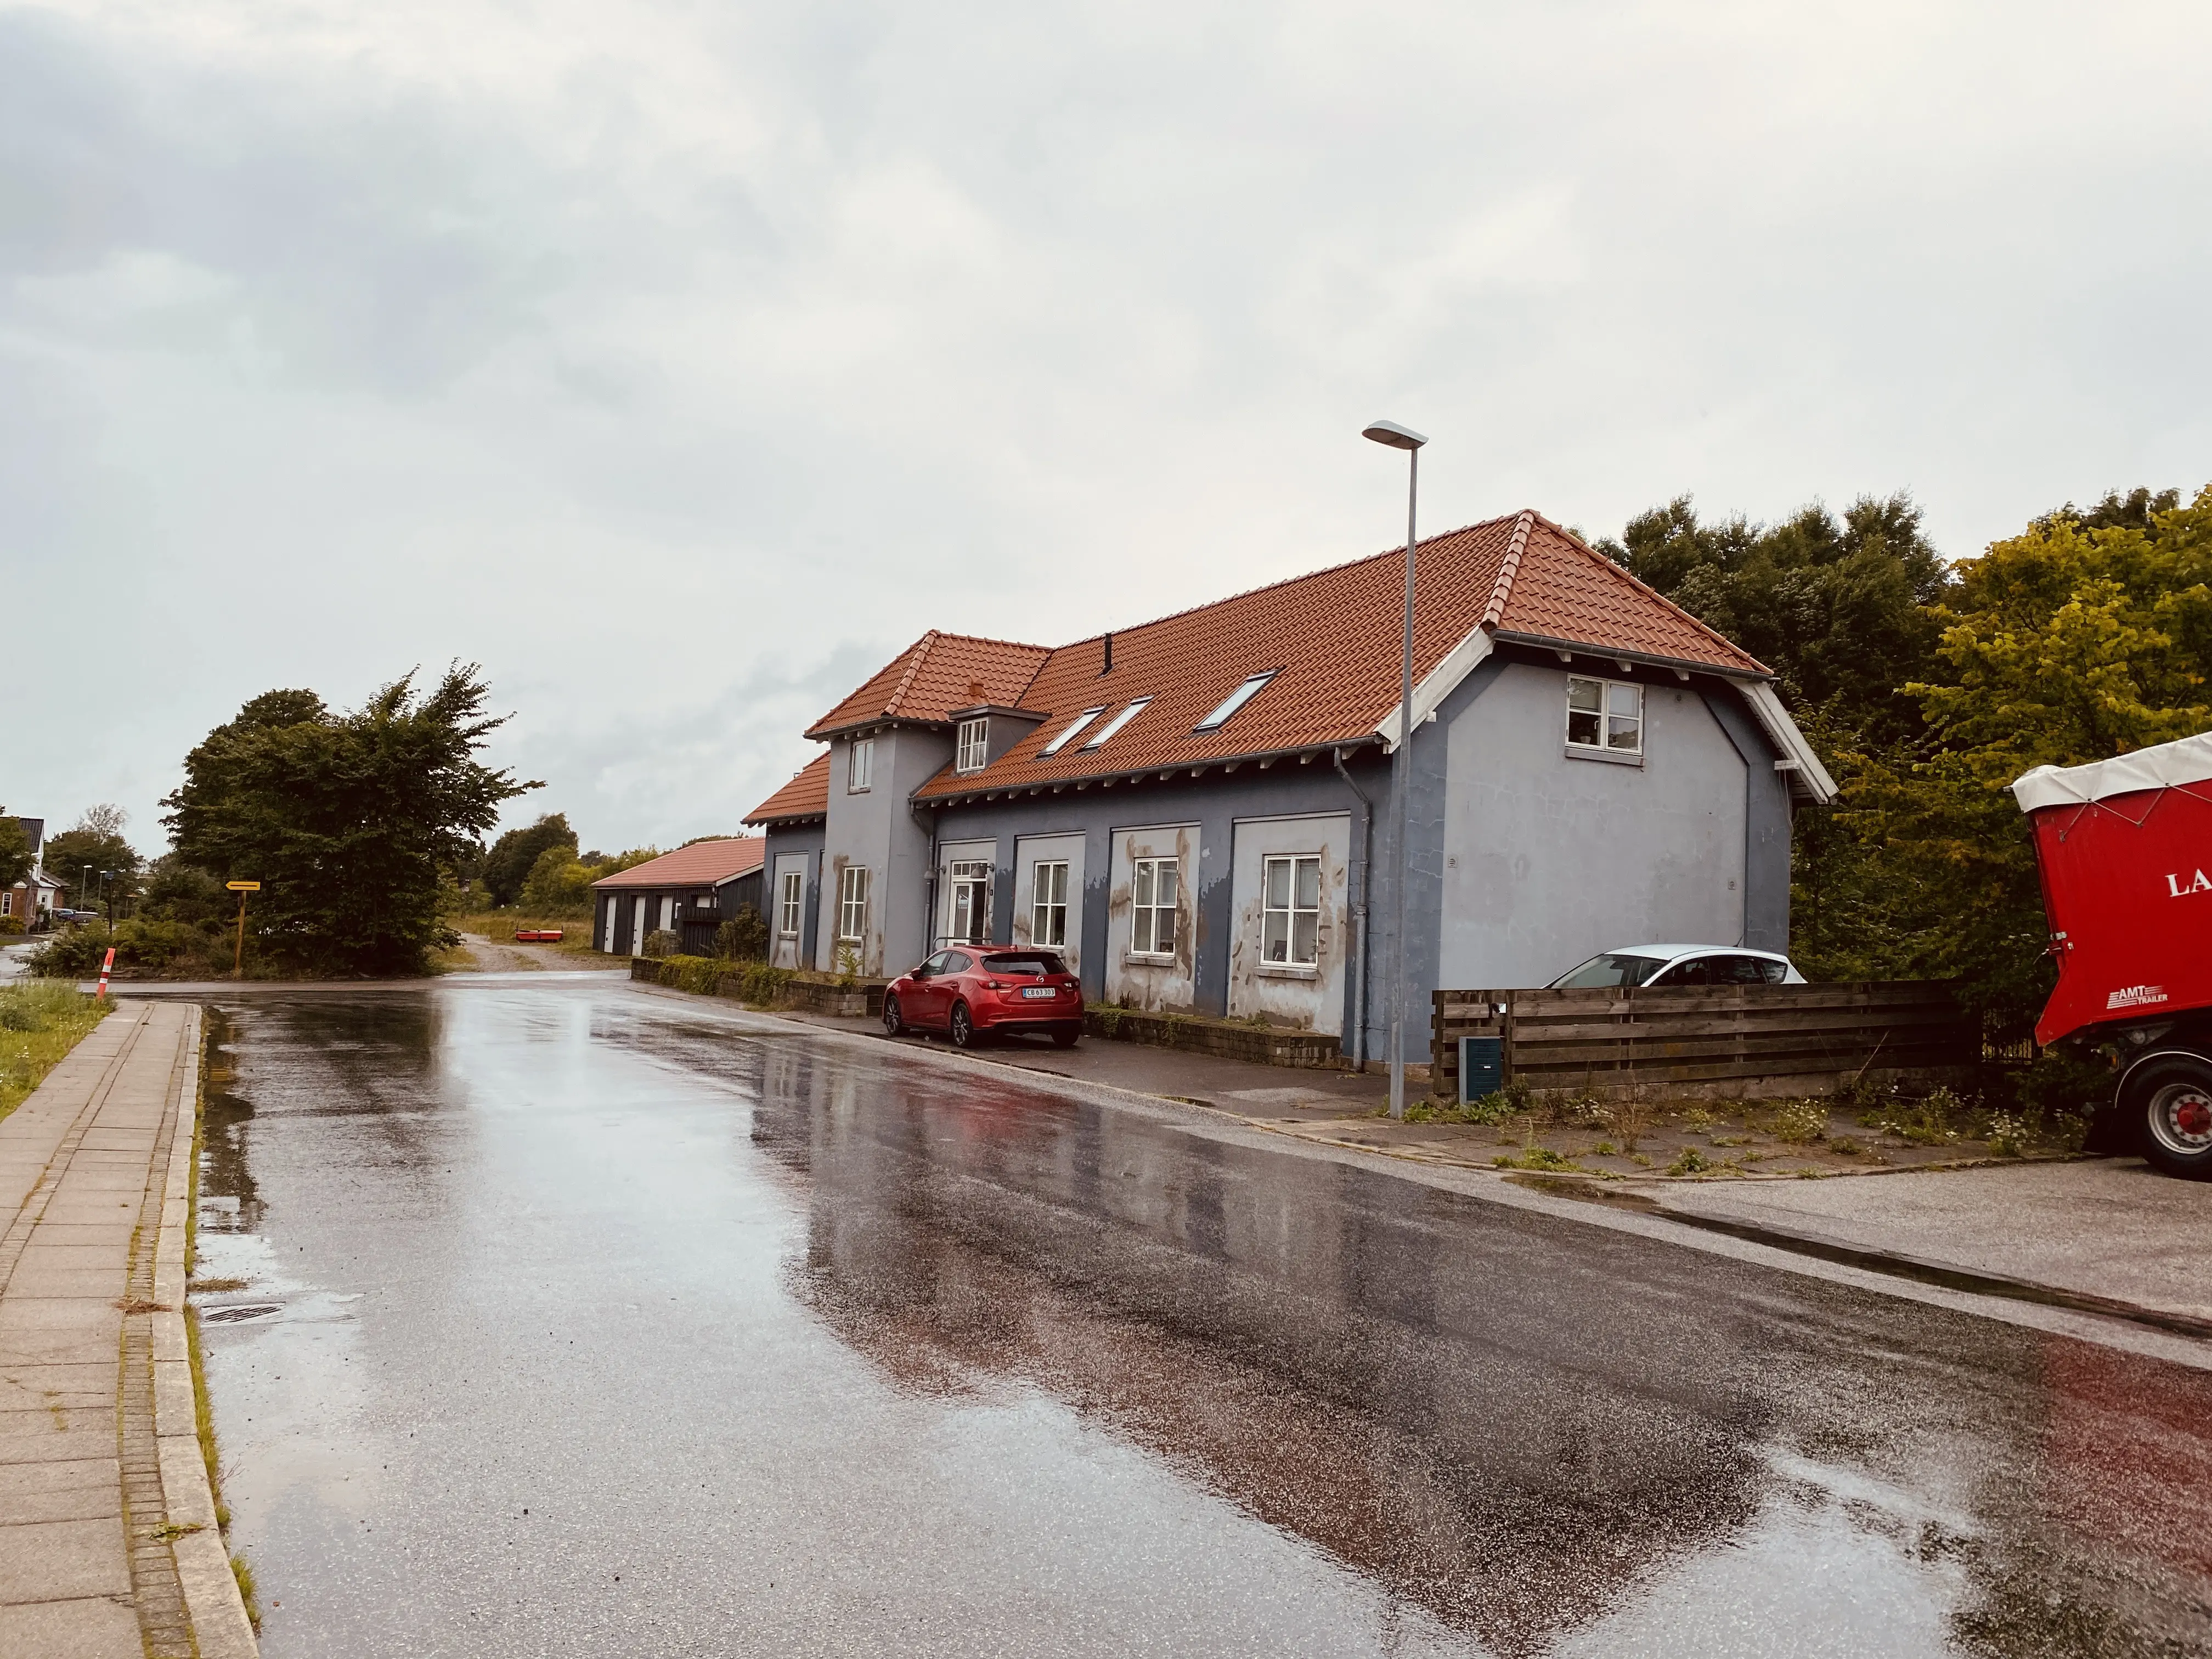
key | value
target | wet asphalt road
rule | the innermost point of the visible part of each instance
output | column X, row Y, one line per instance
column 591, row 1325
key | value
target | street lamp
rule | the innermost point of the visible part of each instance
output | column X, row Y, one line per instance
column 105, row 877
column 1398, row 437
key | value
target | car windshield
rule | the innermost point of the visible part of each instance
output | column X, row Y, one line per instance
column 1028, row 961
column 1614, row 968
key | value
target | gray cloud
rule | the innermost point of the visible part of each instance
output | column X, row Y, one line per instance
column 680, row 365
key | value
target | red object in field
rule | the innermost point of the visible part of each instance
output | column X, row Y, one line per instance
column 538, row 935
column 2125, row 847
column 107, row 963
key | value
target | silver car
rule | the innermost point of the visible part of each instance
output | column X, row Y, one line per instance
column 1654, row 966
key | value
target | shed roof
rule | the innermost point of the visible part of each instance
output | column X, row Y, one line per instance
column 806, row 796
column 1334, row 642
column 702, row 864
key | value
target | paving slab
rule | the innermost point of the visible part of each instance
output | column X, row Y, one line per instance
column 54, row 1560
column 84, row 1490
column 103, row 1627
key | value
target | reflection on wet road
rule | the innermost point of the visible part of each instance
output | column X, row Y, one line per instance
column 574, row 1322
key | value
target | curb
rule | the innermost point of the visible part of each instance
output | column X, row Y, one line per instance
column 212, row 1602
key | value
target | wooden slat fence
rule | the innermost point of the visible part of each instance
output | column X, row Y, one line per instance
column 1706, row 1042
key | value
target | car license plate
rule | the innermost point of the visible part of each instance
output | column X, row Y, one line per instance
column 1039, row 990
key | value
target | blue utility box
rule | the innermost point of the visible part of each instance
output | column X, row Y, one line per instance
column 1482, row 1067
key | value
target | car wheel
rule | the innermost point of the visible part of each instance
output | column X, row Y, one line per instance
column 1064, row 1036
column 965, row 1034
column 2176, row 1096
column 893, row 1025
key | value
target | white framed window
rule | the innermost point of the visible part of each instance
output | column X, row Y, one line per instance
column 7, row 905
column 860, row 765
column 1152, row 908
column 971, row 923
column 788, row 904
column 852, row 904
column 971, row 743
column 1048, row 903
column 1290, row 923
column 1072, row 730
column 1107, row 731
column 1607, row 715
column 1235, row 700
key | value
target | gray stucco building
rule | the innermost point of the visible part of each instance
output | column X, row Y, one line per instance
column 1196, row 811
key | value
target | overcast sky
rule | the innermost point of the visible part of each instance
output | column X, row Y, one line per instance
column 681, row 363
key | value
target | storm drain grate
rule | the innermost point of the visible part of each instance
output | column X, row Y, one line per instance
column 238, row 1313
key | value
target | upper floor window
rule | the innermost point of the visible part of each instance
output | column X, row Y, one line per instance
column 1107, row 731
column 1235, row 700
column 1072, row 730
column 860, row 765
column 971, row 745
column 1606, row 714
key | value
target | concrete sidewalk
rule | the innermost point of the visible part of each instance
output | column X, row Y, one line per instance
column 108, row 1542
column 2099, row 1230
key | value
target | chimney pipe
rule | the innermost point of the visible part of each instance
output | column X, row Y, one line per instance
column 1109, row 668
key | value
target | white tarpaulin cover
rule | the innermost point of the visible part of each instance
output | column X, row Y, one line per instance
column 2187, row 761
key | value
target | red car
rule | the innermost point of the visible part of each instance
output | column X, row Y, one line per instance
column 975, row 992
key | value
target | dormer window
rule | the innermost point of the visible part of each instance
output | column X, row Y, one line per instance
column 971, row 745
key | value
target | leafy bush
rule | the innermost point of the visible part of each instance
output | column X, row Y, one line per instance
column 744, row 937
column 70, row 954
column 11, row 926
column 752, row 983
column 660, row 943
column 560, row 884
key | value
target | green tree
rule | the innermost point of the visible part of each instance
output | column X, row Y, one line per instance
column 2087, row 636
column 344, row 818
column 94, row 841
column 14, row 852
column 515, row 854
column 560, row 884
column 1838, row 608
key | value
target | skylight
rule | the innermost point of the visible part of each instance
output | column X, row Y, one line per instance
column 1107, row 731
column 1235, row 700
column 1074, row 727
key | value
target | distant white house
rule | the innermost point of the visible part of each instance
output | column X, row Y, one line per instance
column 38, row 894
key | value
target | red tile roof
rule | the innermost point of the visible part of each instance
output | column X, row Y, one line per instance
column 1336, row 638
column 701, row 863
column 806, row 796
column 935, row 675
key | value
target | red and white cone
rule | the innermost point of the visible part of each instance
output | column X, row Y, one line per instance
column 107, row 964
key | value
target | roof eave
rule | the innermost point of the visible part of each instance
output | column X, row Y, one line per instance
column 978, row 791
column 1757, row 671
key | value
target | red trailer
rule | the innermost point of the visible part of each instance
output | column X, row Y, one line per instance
column 2125, row 849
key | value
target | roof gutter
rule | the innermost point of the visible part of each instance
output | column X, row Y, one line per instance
column 1679, row 664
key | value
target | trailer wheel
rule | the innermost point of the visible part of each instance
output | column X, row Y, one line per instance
column 2175, row 1095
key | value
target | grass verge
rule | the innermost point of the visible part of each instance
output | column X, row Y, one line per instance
column 202, row 1411
column 39, row 1022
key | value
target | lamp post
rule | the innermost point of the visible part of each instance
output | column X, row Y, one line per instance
column 1398, row 437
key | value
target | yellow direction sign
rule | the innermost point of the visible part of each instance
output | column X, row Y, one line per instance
column 243, row 886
